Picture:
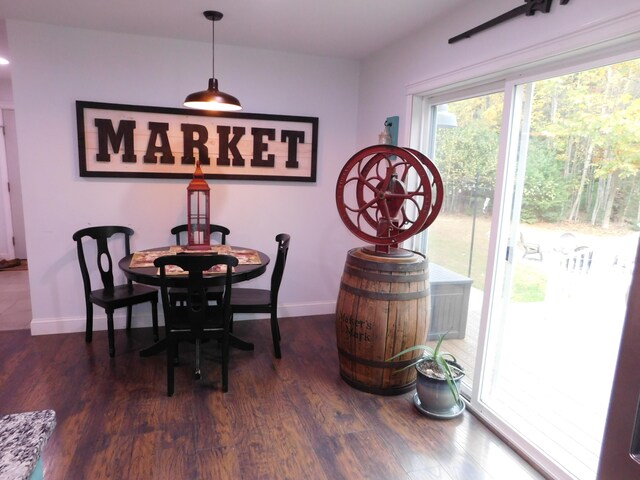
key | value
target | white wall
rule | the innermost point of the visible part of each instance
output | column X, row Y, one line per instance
column 6, row 92
column 54, row 67
column 424, row 60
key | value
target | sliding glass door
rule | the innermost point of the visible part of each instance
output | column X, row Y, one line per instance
column 464, row 145
column 547, row 230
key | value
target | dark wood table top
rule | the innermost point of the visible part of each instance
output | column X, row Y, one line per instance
column 149, row 275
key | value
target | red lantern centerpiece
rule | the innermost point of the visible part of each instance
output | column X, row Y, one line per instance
column 198, row 211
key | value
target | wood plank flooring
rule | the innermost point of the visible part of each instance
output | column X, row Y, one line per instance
column 292, row 418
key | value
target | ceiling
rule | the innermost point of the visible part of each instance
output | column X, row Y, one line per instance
column 351, row 29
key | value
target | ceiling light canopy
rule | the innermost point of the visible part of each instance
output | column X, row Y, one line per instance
column 212, row 98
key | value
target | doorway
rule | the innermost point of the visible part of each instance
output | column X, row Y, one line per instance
column 13, row 175
column 542, row 194
column 15, row 300
column 7, row 249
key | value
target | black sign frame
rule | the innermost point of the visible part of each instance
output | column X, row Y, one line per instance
column 109, row 149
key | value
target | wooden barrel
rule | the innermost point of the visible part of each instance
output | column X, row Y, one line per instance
column 383, row 307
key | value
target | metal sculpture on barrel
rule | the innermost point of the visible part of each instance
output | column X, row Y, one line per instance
column 385, row 195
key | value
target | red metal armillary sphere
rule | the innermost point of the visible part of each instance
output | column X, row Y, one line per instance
column 387, row 194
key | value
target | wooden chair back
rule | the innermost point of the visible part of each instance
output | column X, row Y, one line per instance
column 214, row 230
column 195, row 318
column 104, row 261
column 278, row 270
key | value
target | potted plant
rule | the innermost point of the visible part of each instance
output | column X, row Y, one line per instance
column 438, row 381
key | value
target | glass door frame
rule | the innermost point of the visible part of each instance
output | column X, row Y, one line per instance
column 423, row 109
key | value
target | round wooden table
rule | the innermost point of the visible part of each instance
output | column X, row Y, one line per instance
column 150, row 276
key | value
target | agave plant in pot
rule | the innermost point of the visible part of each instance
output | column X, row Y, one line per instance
column 438, row 381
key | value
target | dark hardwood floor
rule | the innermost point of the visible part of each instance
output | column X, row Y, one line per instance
column 292, row 418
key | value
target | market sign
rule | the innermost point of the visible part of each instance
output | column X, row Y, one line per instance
column 152, row 142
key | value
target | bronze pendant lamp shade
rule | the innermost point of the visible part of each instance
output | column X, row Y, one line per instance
column 212, row 98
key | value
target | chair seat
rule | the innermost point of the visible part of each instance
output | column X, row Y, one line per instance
column 123, row 295
column 180, row 318
column 250, row 297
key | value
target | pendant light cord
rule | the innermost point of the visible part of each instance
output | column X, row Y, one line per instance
column 213, row 49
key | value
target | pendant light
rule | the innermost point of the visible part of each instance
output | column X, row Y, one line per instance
column 212, row 98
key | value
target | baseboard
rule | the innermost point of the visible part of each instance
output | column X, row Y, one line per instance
column 52, row 326
column 290, row 310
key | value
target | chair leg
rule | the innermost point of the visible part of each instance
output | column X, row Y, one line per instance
column 88, row 334
column 225, row 362
column 110, row 333
column 129, row 315
column 275, row 334
column 197, row 373
column 154, row 316
column 176, row 353
column 170, row 358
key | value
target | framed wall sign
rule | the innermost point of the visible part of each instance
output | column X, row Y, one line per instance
column 153, row 142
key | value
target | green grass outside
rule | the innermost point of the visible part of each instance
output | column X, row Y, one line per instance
column 450, row 242
column 449, row 245
column 529, row 284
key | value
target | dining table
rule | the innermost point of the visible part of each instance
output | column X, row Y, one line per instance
column 138, row 267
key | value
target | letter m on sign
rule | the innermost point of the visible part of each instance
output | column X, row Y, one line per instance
column 108, row 136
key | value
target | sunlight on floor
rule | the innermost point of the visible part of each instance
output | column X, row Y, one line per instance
column 551, row 378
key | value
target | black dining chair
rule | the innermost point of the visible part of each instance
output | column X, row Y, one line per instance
column 216, row 231
column 196, row 319
column 255, row 300
column 220, row 232
column 111, row 297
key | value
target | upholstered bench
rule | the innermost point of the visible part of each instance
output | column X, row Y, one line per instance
column 22, row 438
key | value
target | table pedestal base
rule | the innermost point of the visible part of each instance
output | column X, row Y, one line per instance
column 161, row 346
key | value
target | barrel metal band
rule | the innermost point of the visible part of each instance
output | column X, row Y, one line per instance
column 374, row 363
column 388, row 266
column 369, row 275
column 383, row 295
